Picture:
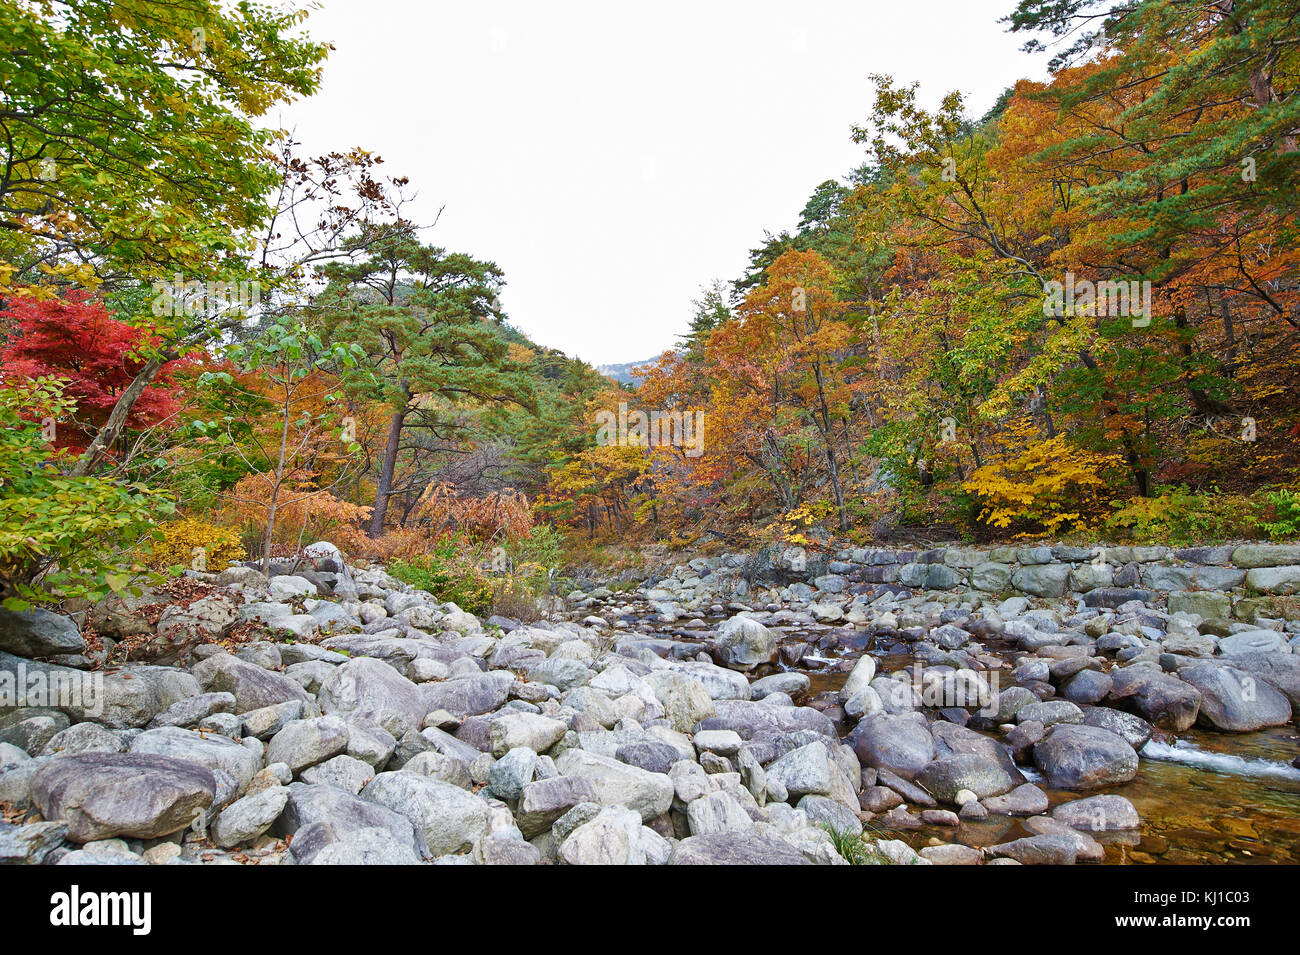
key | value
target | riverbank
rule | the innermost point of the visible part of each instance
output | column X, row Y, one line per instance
column 784, row 707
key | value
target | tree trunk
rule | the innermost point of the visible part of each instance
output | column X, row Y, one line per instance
column 116, row 423
column 832, row 463
column 269, row 534
column 386, row 472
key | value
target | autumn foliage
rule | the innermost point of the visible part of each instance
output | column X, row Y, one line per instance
column 77, row 338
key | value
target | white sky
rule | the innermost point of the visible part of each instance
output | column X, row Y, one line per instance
column 613, row 157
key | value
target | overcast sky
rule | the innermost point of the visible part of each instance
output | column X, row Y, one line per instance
column 613, row 157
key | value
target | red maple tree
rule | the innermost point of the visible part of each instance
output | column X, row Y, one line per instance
column 77, row 338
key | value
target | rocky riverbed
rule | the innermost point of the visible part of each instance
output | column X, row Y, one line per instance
column 954, row 706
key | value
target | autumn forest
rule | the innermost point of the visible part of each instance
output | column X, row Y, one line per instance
column 1077, row 315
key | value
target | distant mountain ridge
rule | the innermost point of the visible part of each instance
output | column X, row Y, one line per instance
column 623, row 372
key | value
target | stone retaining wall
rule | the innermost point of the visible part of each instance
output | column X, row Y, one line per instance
column 1241, row 581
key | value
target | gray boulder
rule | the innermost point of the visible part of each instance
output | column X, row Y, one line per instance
column 901, row 743
column 1162, row 699
column 304, row 743
column 252, row 686
column 944, row 778
column 138, row 795
column 733, row 847
column 372, row 691
column 247, row 818
column 744, row 643
column 450, row 819
column 38, row 633
column 1083, row 757
column 1235, row 701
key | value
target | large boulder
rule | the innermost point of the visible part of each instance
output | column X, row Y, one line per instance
column 531, row 730
column 612, row 837
column 372, row 691
column 618, row 784
column 451, row 819
column 1253, row 641
column 137, row 795
column 126, row 697
column 1274, row 580
column 1266, row 555
column 898, row 742
column 1279, row 670
column 251, row 685
column 214, row 752
column 247, row 818
column 1104, row 813
column 317, row 816
column 760, row 719
column 1042, row 580
column 747, row 847
column 1159, row 697
column 686, row 701
column 38, row 633
column 128, row 615
column 1234, row 700
column 546, row 800
column 470, row 695
column 744, row 643
column 945, row 778
column 808, row 769
column 184, row 625
column 1075, row 756
column 304, row 743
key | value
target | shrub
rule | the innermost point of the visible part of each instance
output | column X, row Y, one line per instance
column 59, row 535
column 1177, row 516
column 303, row 512
column 195, row 544
column 1286, row 514
column 536, row 557
column 449, row 573
column 512, row 599
column 1049, row 486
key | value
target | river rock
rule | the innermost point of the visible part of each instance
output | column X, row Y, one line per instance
column 618, row 784
column 38, row 633
column 317, row 816
column 219, row 754
column 1235, row 701
column 744, row 643
column 1042, row 580
column 450, row 819
column 1163, row 699
column 1025, row 800
column 247, row 818
column 469, row 695
column 1083, row 757
column 138, row 795
column 1274, row 580
column 1104, row 813
column 736, row 848
column 901, row 743
column 1253, row 641
column 251, row 686
column 944, row 778
column 717, row 812
column 545, row 800
column 304, row 743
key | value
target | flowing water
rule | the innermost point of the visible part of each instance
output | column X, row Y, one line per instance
column 1203, row 797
